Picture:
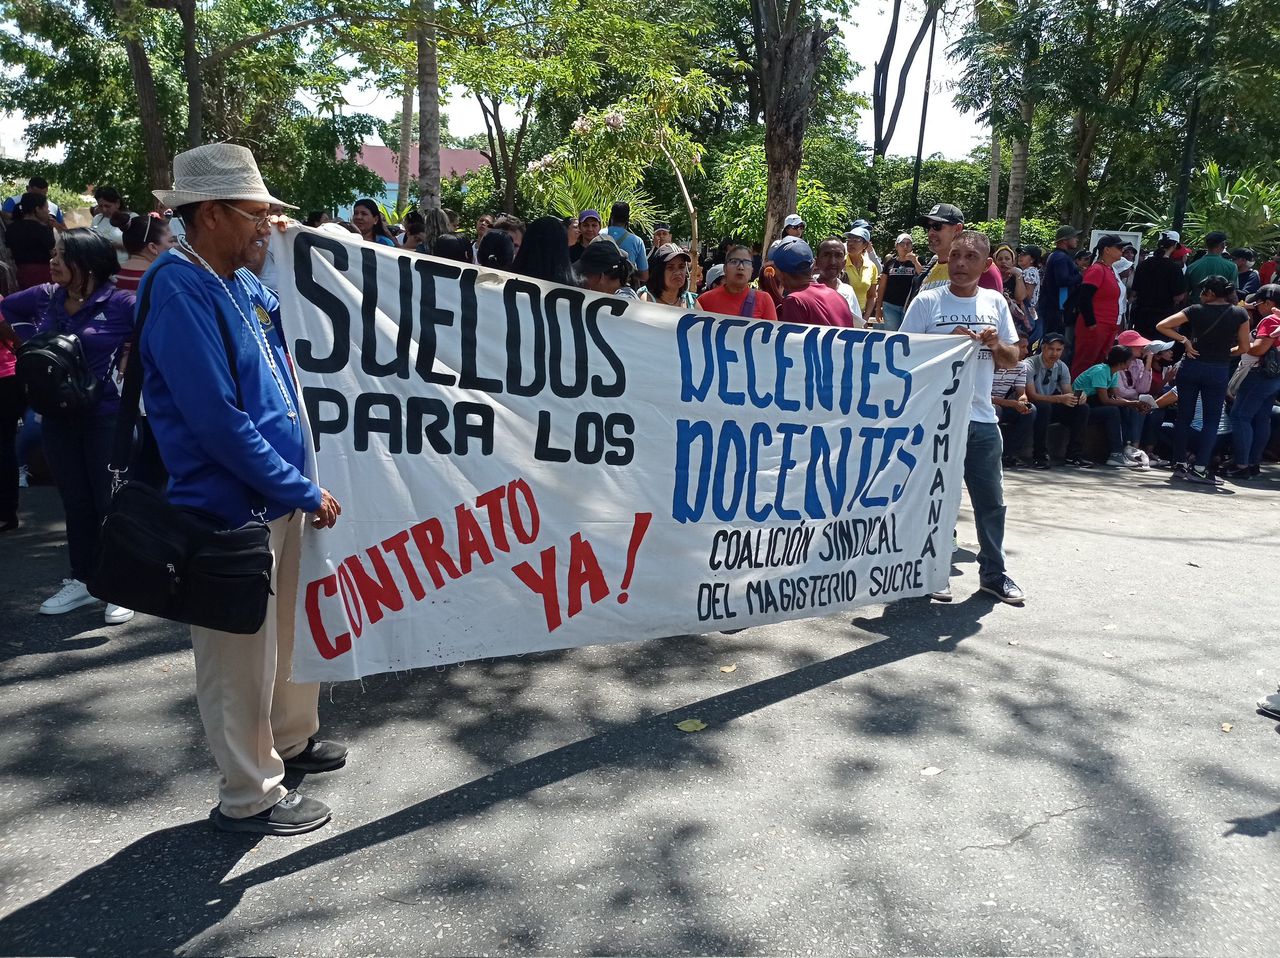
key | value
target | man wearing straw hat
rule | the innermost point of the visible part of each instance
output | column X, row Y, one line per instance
column 233, row 441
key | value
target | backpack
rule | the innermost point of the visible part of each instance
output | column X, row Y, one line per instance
column 54, row 375
column 1269, row 364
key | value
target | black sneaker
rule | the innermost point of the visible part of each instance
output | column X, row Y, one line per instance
column 1179, row 472
column 1010, row 462
column 1080, row 462
column 1041, row 462
column 318, row 756
column 1255, row 472
column 1240, row 472
column 1006, row 590
column 1202, row 478
column 292, row 815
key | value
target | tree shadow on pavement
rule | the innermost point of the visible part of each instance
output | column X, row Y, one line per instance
column 167, row 887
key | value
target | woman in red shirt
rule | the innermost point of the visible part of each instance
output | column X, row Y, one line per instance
column 1099, row 304
column 145, row 238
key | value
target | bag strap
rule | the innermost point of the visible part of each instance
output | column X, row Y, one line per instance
column 748, row 304
column 131, row 391
column 122, row 447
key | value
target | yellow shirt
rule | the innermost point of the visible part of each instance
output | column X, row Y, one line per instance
column 862, row 281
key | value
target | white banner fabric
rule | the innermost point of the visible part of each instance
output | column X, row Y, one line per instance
column 524, row 466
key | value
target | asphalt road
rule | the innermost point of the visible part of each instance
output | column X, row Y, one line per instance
column 1089, row 800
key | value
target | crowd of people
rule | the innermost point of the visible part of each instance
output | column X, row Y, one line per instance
column 1149, row 349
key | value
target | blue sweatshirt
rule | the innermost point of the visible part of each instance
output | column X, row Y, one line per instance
column 217, row 454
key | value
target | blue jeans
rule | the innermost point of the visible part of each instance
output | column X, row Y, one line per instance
column 1138, row 429
column 892, row 315
column 1109, row 416
column 1207, row 382
column 1251, row 417
column 1019, row 428
column 984, row 479
column 77, row 450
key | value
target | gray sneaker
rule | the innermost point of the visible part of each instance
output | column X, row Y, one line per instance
column 292, row 815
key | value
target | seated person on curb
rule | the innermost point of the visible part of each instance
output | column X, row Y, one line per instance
column 1135, row 382
column 1049, row 390
column 1098, row 383
column 1009, row 396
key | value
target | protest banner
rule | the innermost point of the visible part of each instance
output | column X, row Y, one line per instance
column 524, row 466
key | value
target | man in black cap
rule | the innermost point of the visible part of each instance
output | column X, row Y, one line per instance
column 1213, row 263
column 1059, row 278
column 943, row 224
column 661, row 235
column 1249, row 280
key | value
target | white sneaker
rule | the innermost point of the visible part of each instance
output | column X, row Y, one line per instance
column 117, row 614
column 1138, row 459
column 71, row 596
column 24, row 477
column 1117, row 459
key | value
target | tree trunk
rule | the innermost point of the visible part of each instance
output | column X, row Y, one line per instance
column 193, row 68
column 428, row 110
column 789, row 49
column 406, row 147
column 993, row 178
column 1017, row 199
column 154, row 142
column 695, row 273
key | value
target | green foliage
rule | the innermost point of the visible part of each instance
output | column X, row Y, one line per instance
column 1245, row 207
column 300, row 159
column 1033, row 232
column 740, row 213
column 469, row 196
column 567, row 188
column 66, row 198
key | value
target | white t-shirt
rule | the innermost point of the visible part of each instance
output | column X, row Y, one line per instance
column 938, row 310
column 851, row 297
column 102, row 226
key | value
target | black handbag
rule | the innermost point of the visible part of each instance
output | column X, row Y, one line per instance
column 55, row 376
column 172, row 562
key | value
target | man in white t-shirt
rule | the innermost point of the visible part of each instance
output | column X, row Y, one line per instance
column 963, row 308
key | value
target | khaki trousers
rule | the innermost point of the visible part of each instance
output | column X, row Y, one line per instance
column 254, row 716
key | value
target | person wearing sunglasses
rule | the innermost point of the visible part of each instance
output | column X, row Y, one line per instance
column 943, row 224
column 730, row 297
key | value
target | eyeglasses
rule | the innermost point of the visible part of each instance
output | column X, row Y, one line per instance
column 737, row 262
column 259, row 222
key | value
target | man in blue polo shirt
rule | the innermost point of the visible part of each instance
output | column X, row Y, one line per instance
column 628, row 242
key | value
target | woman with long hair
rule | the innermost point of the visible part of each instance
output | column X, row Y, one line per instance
column 31, row 240
column 544, row 254
column 604, row 269
column 145, row 238
column 1218, row 331
column 1015, row 289
column 83, row 301
column 1098, row 302
column 669, row 278
column 497, row 250
column 1031, row 261
column 368, row 221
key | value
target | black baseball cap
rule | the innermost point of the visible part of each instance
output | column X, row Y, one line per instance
column 1110, row 239
column 1242, row 253
column 1052, row 338
column 661, row 226
column 943, row 213
column 1216, row 238
column 1265, row 294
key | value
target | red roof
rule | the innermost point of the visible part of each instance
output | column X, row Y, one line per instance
column 382, row 161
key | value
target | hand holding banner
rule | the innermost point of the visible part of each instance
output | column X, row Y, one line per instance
column 526, row 466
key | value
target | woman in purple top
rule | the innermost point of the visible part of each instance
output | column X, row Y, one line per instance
column 82, row 299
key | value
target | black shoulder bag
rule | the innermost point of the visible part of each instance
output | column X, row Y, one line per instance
column 178, row 563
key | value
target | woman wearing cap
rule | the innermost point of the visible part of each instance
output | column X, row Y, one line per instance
column 604, row 269
column 1215, row 332
column 1257, row 392
column 1098, row 300
column 1134, row 382
column 669, row 278
column 862, row 273
column 894, row 288
column 1030, row 261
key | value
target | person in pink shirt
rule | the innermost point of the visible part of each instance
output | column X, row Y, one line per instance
column 1134, row 382
column 10, row 412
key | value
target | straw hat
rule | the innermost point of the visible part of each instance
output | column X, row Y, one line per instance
column 216, row 171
